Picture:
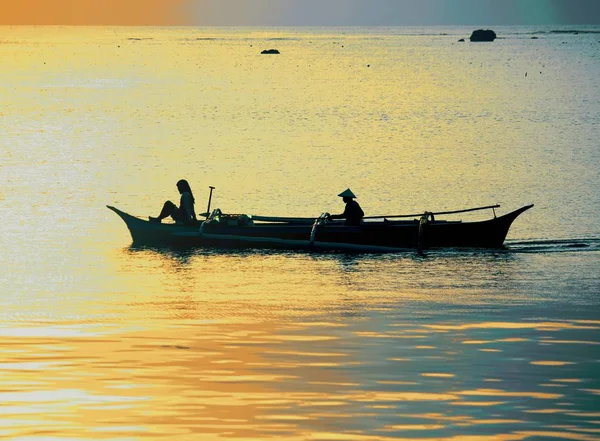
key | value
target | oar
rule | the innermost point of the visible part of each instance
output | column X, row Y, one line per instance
column 435, row 213
column 209, row 198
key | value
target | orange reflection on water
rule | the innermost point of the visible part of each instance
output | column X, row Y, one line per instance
column 303, row 338
column 545, row 411
column 390, row 382
column 560, row 435
column 592, row 391
column 551, row 363
column 399, row 335
column 414, row 427
column 308, row 354
column 357, row 437
column 477, row 403
column 502, row 393
column 512, row 325
column 404, row 396
column 335, row 383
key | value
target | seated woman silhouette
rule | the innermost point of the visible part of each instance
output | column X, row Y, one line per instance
column 185, row 213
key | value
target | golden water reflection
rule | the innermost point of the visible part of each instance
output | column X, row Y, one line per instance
column 207, row 346
column 288, row 379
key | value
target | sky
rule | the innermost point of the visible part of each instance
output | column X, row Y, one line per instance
column 299, row 12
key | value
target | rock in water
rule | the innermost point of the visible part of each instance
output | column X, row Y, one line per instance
column 483, row 35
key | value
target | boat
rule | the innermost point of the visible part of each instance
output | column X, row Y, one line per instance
column 375, row 234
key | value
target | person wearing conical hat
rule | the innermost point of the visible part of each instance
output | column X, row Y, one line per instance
column 352, row 213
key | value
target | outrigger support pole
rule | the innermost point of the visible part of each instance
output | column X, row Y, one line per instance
column 209, row 198
column 435, row 213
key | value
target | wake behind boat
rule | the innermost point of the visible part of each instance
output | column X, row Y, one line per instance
column 374, row 234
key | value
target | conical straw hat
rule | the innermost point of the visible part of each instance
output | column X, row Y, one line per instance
column 347, row 193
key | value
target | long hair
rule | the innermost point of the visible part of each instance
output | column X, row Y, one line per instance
column 183, row 186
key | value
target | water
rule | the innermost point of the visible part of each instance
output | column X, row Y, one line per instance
column 105, row 341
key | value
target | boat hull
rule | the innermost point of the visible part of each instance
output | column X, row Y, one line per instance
column 381, row 236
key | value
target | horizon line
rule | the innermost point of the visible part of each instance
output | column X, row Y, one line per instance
column 287, row 25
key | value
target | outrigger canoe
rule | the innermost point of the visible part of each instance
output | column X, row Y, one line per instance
column 375, row 234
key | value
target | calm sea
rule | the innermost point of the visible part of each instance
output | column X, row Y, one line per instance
column 102, row 341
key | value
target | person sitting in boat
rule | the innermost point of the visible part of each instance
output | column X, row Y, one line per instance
column 352, row 213
column 185, row 213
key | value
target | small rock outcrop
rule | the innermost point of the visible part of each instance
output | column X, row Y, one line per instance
column 483, row 35
column 461, row 40
column 270, row 51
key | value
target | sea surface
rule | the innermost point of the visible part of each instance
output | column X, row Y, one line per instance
column 104, row 341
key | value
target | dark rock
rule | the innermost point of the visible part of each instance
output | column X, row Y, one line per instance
column 270, row 51
column 461, row 40
column 534, row 38
column 483, row 35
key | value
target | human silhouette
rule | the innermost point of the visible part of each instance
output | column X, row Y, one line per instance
column 352, row 213
column 185, row 213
